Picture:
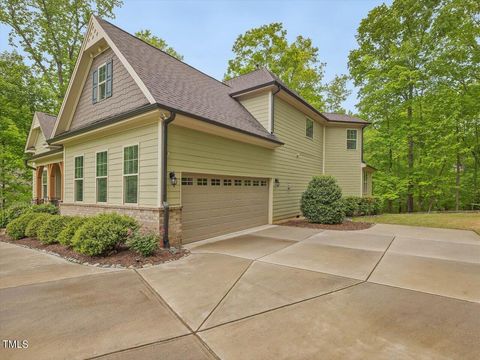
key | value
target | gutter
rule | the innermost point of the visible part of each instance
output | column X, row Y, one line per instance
column 272, row 105
column 166, row 207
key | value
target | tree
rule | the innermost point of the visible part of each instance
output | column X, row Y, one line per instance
column 296, row 63
column 159, row 43
column 20, row 95
column 50, row 32
column 336, row 93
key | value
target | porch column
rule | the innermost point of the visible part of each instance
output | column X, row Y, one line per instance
column 51, row 182
column 60, row 166
column 38, row 183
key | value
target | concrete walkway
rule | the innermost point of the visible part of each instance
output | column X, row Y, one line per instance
column 275, row 293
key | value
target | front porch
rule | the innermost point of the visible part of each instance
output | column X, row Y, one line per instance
column 48, row 181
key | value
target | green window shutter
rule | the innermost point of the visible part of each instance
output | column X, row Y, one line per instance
column 108, row 91
column 94, row 86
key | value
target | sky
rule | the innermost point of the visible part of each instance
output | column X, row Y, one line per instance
column 204, row 31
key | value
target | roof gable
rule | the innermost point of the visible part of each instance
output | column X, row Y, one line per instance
column 40, row 131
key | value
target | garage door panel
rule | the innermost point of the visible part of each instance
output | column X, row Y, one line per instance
column 212, row 210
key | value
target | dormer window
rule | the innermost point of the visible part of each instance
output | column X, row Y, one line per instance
column 102, row 82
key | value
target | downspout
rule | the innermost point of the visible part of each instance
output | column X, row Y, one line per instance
column 272, row 109
column 25, row 162
column 166, row 208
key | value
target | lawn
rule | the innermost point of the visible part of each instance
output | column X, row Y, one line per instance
column 463, row 221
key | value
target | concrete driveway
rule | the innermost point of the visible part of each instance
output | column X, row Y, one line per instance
column 274, row 293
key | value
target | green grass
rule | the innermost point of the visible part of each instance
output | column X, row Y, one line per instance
column 463, row 221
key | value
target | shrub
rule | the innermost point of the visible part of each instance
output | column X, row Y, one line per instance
column 369, row 206
column 103, row 233
column 322, row 201
column 46, row 208
column 16, row 228
column 13, row 211
column 50, row 229
column 351, row 204
column 38, row 219
column 66, row 235
column 144, row 244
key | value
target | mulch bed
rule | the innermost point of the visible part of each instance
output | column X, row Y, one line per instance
column 121, row 257
column 347, row 225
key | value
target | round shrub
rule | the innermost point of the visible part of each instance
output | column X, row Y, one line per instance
column 322, row 201
column 14, row 211
column 16, row 228
column 50, row 229
column 144, row 244
column 351, row 204
column 103, row 233
column 38, row 219
column 46, row 208
column 66, row 235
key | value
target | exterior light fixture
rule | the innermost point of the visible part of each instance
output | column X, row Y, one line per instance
column 277, row 183
column 173, row 178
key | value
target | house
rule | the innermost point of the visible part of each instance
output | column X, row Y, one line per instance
column 144, row 134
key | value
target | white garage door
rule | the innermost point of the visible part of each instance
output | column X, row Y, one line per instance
column 216, row 205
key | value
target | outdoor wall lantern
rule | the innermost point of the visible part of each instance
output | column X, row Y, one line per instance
column 277, row 183
column 173, row 178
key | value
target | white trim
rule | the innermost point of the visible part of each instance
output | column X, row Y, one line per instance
column 137, row 174
column 271, row 184
column 324, row 148
column 346, row 139
column 63, row 175
column 313, row 128
column 46, row 173
column 103, row 82
column 270, row 113
column 82, row 178
column 159, row 163
column 101, row 177
column 361, row 181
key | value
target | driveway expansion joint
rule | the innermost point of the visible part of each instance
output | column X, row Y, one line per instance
column 379, row 260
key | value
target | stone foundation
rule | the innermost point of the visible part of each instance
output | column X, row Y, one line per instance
column 150, row 218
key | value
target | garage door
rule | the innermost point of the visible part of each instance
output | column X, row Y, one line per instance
column 216, row 205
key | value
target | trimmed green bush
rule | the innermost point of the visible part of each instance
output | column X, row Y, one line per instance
column 103, row 233
column 66, row 235
column 46, row 208
column 38, row 219
column 351, row 204
column 13, row 211
column 322, row 201
column 369, row 206
column 16, row 228
column 50, row 229
column 144, row 244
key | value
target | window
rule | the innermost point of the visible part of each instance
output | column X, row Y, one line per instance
column 187, row 181
column 263, row 183
column 238, row 182
column 365, row 182
column 102, row 82
column 351, row 139
column 227, row 182
column 309, row 128
column 248, row 182
column 202, row 182
column 78, row 178
column 130, row 174
column 44, row 184
column 101, row 175
column 256, row 182
column 215, row 182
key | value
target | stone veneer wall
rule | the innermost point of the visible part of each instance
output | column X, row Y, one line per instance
column 150, row 218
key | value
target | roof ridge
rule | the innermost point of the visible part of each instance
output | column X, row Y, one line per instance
column 46, row 113
column 162, row 51
column 248, row 73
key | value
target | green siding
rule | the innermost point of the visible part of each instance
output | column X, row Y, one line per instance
column 259, row 107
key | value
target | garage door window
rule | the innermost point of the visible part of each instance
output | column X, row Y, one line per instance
column 215, row 182
column 202, row 182
column 238, row 182
column 227, row 182
column 248, row 182
column 187, row 181
column 263, row 182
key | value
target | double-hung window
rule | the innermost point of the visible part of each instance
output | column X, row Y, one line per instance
column 351, row 139
column 78, row 185
column 130, row 174
column 44, row 184
column 101, row 175
column 102, row 82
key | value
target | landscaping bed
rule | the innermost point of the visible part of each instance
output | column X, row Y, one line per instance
column 346, row 225
column 120, row 257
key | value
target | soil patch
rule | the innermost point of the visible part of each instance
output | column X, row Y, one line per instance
column 120, row 257
column 346, row 225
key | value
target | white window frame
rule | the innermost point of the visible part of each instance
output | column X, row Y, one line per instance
column 202, row 182
column 187, row 180
column 365, row 182
column 104, row 65
column 75, row 179
column 307, row 120
column 45, row 186
column 356, row 139
column 100, row 177
column 124, row 175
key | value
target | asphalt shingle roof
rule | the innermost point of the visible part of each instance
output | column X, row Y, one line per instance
column 343, row 118
column 179, row 86
column 47, row 123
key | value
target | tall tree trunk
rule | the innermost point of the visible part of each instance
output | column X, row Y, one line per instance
column 410, row 151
